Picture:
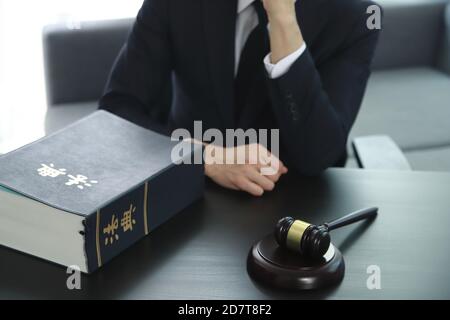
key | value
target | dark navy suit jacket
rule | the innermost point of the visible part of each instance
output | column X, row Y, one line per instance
column 190, row 44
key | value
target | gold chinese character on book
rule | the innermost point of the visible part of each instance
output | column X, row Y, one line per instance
column 111, row 230
column 127, row 221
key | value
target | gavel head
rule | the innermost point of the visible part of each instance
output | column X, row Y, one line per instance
column 307, row 239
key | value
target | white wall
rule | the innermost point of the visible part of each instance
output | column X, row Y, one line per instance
column 22, row 90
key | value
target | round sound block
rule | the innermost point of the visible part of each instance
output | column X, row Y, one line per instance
column 277, row 267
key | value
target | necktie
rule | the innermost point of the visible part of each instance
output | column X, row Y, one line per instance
column 251, row 63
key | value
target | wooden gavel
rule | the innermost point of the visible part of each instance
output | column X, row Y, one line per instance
column 312, row 240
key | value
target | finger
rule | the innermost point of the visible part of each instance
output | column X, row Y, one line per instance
column 272, row 177
column 255, row 176
column 224, row 181
column 228, row 185
column 273, row 170
column 281, row 171
column 284, row 169
column 273, row 162
column 246, row 185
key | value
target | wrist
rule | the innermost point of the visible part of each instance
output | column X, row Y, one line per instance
column 282, row 21
column 285, row 38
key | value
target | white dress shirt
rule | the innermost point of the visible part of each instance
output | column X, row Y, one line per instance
column 247, row 20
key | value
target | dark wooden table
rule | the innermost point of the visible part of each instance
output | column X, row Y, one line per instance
column 202, row 252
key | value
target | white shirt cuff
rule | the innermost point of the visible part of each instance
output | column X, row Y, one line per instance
column 282, row 67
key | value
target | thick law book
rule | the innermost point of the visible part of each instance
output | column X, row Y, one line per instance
column 86, row 193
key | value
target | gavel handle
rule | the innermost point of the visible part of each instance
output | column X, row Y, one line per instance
column 352, row 218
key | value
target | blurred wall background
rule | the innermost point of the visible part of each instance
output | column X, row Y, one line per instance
column 22, row 86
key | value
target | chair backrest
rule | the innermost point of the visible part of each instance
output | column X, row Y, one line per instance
column 78, row 61
column 412, row 33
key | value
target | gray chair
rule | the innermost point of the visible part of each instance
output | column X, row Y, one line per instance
column 408, row 95
column 77, row 65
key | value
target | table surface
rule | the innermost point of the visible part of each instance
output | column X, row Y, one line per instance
column 201, row 253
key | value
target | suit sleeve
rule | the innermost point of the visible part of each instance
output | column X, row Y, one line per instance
column 142, row 69
column 316, row 106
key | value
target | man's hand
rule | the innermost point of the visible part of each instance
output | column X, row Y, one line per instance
column 284, row 31
column 244, row 174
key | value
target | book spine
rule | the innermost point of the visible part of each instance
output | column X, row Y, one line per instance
column 118, row 225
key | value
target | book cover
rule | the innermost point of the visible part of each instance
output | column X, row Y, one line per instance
column 117, row 177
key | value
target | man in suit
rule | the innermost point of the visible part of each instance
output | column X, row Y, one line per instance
column 298, row 66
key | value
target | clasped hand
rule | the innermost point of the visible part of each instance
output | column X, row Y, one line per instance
column 250, row 168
